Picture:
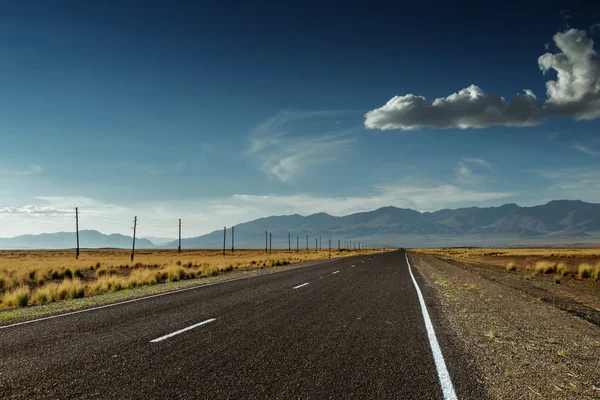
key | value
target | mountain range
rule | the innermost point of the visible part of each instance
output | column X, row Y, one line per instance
column 557, row 223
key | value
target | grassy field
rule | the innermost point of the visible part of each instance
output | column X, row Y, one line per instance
column 41, row 277
column 580, row 263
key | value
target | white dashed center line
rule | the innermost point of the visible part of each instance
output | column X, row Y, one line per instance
column 299, row 286
column 182, row 330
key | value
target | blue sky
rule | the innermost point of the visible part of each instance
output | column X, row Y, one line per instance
column 219, row 113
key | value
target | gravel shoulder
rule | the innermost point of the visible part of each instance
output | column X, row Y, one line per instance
column 525, row 336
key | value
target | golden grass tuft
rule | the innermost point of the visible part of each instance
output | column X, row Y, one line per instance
column 545, row 267
column 585, row 271
column 562, row 269
column 511, row 266
column 18, row 297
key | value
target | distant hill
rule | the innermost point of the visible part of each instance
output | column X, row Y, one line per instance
column 66, row 240
column 557, row 223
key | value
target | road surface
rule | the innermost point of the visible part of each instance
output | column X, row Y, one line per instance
column 352, row 328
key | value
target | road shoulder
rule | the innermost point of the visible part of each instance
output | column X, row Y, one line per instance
column 520, row 346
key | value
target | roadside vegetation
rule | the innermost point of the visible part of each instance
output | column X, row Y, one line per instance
column 573, row 263
column 41, row 277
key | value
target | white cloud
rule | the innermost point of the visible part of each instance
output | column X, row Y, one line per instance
column 576, row 92
column 289, row 144
column 422, row 198
column 584, row 149
column 469, row 108
column 479, row 161
column 572, row 183
column 33, row 169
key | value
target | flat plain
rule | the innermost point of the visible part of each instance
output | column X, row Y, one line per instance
column 40, row 277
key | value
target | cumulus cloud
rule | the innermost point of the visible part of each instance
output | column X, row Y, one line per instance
column 575, row 92
column 469, row 108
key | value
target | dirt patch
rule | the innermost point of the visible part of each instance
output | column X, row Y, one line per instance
column 529, row 337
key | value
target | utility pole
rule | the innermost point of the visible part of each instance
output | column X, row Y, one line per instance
column 77, row 230
column 320, row 248
column 338, row 244
column 179, row 246
column 133, row 247
column 316, row 248
column 297, row 244
column 306, row 242
column 224, row 238
column 289, row 242
column 266, row 242
column 329, row 247
column 270, row 243
column 232, row 239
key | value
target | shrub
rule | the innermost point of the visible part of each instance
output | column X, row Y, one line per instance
column 545, row 267
column 70, row 289
column 45, row 294
column 106, row 271
column 595, row 275
column 557, row 279
column 511, row 267
column 585, row 271
column 77, row 273
column 175, row 274
column 66, row 273
column 142, row 278
column 18, row 297
column 562, row 269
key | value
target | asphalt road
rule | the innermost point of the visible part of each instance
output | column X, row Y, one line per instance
column 354, row 330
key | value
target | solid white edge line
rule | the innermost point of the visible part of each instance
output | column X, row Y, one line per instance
column 155, row 295
column 335, row 272
column 299, row 286
column 440, row 364
column 182, row 330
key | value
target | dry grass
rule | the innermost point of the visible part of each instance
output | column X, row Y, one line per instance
column 565, row 253
column 545, row 267
column 583, row 263
column 40, row 277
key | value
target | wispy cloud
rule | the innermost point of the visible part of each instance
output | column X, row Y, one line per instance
column 423, row 198
column 571, row 183
column 465, row 174
column 33, row 169
column 584, row 149
column 291, row 143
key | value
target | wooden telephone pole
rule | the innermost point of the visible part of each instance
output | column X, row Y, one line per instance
column 266, row 242
column 134, row 227
column 224, row 238
column 77, row 230
column 270, row 243
column 289, row 242
column 297, row 244
column 232, row 239
column 179, row 246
